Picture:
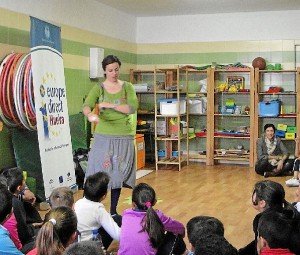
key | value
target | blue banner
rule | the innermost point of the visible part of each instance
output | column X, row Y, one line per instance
column 45, row 34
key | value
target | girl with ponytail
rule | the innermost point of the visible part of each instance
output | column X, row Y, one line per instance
column 146, row 230
column 57, row 233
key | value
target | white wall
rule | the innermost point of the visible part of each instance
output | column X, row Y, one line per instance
column 85, row 14
column 96, row 17
column 283, row 25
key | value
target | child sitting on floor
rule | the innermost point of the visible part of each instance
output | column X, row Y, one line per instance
column 62, row 196
column 91, row 213
column 143, row 227
column 275, row 231
column 202, row 225
column 7, row 246
column 25, row 213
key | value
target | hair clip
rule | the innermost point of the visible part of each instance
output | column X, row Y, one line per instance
column 53, row 221
column 147, row 204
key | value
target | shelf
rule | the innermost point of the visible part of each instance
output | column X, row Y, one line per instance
column 170, row 138
column 277, row 71
column 230, row 137
column 278, row 93
column 280, row 116
column 170, row 116
column 231, row 158
column 197, row 156
column 232, row 93
column 172, row 160
column 231, row 115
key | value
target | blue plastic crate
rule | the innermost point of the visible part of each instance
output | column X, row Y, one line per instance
column 269, row 109
column 280, row 133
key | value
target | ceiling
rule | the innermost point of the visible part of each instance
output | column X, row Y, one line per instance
column 149, row 8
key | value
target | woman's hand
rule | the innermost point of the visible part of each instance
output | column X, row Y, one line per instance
column 92, row 117
column 280, row 165
column 106, row 105
column 29, row 196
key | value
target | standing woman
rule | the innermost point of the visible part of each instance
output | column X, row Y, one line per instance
column 113, row 149
column 272, row 155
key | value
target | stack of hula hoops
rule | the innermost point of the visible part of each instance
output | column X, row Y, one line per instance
column 16, row 91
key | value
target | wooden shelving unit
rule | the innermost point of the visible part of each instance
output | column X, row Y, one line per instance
column 213, row 146
column 168, row 146
column 197, row 82
column 289, row 81
column 223, row 124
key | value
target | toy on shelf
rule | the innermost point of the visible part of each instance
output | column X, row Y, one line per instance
column 235, row 83
column 229, row 106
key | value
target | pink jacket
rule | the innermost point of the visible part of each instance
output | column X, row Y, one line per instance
column 11, row 226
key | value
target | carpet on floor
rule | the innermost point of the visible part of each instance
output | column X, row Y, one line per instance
column 142, row 173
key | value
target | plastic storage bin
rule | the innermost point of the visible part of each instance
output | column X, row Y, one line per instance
column 197, row 106
column 269, row 109
column 169, row 106
column 280, row 133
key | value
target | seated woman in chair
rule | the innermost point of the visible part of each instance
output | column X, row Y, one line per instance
column 272, row 155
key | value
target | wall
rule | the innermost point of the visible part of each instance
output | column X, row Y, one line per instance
column 246, row 26
column 88, row 15
column 197, row 40
column 15, row 36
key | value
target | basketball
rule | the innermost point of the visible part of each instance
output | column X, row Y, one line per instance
column 259, row 63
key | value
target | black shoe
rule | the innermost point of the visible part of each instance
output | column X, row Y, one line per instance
column 272, row 173
column 289, row 173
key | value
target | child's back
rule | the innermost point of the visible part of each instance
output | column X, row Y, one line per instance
column 143, row 228
column 91, row 213
column 134, row 240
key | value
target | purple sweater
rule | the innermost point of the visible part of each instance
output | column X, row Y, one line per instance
column 133, row 241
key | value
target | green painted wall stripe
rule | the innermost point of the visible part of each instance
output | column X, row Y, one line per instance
column 82, row 49
column 19, row 37
column 219, row 57
column 14, row 36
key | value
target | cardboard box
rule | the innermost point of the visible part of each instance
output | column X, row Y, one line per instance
column 290, row 136
column 140, row 151
column 282, row 127
column 169, row 106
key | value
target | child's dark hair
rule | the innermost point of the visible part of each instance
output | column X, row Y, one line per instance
column 110, row 59
column 59, row 225
column 274, row 195
column 144, row 198
column 6, row 202
column 271, row 192
column 203, row 225
column 276, row 228
column 212, row 244
column 84, row 248
column 14, row 178
column 96, row 186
